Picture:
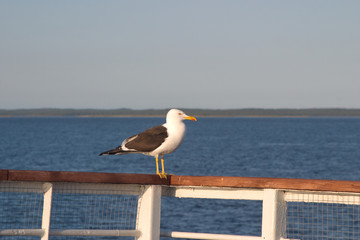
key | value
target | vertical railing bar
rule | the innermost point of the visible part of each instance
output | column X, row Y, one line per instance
column 149, row 208
column 48, row 189
column 274, row 215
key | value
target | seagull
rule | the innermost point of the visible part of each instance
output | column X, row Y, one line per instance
column 156, row 141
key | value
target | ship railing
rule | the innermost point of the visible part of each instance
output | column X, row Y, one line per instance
column 129, row 205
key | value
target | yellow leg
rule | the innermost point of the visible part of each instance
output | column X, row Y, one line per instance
column 157, row 165
column 162, row 165
column 162, row 174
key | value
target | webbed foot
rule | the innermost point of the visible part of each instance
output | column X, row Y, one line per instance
column 163, row 175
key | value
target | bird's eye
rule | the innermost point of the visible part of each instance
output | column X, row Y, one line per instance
column 180, row 113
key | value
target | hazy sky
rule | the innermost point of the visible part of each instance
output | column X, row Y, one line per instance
column 190, row 54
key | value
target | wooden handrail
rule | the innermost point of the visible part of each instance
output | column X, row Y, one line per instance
column 175, row 180
column 268, row 183
column 82, row 177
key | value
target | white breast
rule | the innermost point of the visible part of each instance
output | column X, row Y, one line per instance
column 176, row 133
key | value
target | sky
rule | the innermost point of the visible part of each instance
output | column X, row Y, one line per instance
column 217, row 54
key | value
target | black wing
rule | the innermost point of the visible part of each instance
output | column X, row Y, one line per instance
column 148, row 140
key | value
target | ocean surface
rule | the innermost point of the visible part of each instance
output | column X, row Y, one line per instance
column 316, row 148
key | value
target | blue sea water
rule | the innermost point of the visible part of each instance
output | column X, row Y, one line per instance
column 317, row 148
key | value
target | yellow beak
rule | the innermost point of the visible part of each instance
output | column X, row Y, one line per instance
column 190, row 118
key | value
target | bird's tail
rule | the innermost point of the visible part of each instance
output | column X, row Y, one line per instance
column 115, row 151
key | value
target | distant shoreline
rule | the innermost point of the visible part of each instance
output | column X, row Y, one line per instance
column 124, row 112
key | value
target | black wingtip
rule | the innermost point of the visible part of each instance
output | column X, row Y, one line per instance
column 105, row 153
column 116, row 151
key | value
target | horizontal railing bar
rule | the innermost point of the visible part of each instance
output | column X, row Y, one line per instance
column 71, row 232
column 174, row 180
column 22, row 232
column 315, row 197
column 97, row 233
column 72, row 188
column 267, row 183
column 208, row 236
column 213, row 193
column 97, row 188
column 23, row 187
column 82, row 177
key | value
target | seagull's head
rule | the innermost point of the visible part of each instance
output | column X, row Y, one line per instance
column 178, row 115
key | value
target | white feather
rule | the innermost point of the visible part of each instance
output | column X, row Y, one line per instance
column 176, row 132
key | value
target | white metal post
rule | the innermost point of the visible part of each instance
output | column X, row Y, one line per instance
column 274, row 215
column 47, row 187
column 149, row 210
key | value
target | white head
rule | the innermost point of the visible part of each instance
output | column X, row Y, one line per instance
column 178, row 115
